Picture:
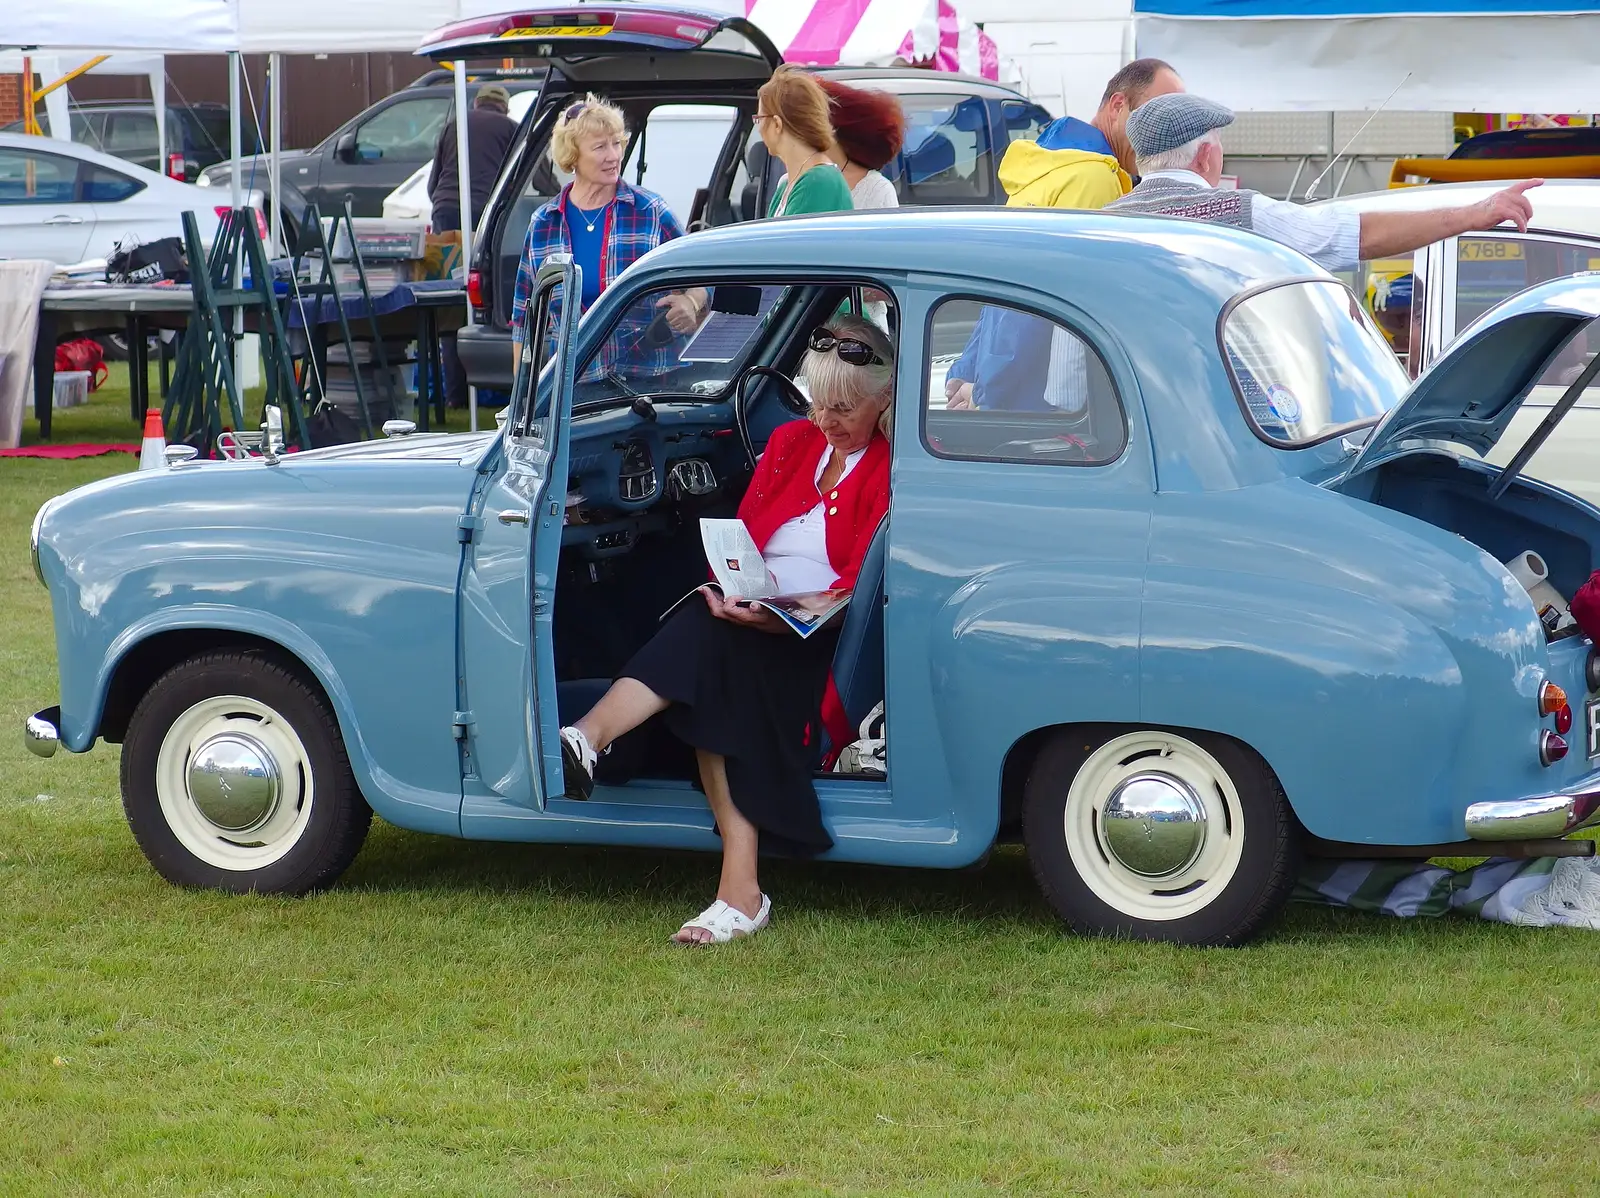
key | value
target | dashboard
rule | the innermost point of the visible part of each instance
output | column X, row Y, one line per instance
column 634, row 468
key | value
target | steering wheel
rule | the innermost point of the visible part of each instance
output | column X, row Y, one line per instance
column 790, row 397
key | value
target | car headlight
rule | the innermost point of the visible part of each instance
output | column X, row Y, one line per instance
column 33, row 539
column 204, row 180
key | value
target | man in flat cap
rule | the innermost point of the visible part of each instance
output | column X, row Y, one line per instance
column 1179, row 155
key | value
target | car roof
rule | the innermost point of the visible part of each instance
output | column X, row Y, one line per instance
column 910, row 80
column 1023, row 245
column 1559, row 205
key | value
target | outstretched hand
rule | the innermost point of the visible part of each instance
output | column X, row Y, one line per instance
column 1512, row 205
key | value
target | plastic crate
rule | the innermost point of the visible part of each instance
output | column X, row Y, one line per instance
column 71, row 388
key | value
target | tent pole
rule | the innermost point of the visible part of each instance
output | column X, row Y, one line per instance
column 236, row 150
column 158, row 94
column 276, row 242
column 464, row 180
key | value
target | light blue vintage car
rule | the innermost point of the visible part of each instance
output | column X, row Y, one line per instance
column 1180, row 612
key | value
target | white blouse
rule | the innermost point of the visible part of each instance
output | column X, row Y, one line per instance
column 874, row 191
column 797, row 554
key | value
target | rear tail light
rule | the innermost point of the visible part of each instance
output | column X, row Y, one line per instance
column 1551, row 699
column 175, row 167
column 1564, row 720
column 475, row 289
column 225, row 215
column 1552, row 748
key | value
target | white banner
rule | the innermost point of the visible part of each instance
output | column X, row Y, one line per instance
column 1524, row 63
column 174, row 26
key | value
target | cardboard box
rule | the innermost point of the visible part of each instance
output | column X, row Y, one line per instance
column 441, row 257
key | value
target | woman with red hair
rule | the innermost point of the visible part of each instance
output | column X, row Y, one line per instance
column 868, row 129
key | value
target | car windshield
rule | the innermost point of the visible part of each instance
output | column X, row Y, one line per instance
column 644, row 354
column 1307, row 363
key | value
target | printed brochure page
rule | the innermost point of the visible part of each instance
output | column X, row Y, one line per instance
column 742, row 576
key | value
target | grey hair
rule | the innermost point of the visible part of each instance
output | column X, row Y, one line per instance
column 1180, row 158
column 838, row 385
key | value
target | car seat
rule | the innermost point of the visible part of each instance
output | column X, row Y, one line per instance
column 858, row 658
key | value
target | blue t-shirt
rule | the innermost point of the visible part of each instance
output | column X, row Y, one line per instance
column 1007, row 358
column 586, row 246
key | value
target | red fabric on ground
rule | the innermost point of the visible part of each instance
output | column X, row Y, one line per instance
column 66, row 451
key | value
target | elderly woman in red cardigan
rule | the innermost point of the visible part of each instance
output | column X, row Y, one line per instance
column 732, row 680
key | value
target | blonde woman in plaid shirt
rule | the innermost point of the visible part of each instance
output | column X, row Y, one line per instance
column 605, row 225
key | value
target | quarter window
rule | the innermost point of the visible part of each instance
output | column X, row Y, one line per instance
column 102, row 186
column 1024, row 121
column 1008, row 385
column 947, row 157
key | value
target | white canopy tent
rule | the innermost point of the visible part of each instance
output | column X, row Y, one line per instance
column 51, row 67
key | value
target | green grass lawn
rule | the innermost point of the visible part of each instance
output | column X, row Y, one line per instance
column 486, row 1019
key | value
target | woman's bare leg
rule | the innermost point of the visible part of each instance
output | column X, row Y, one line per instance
column 621, row 709
column 738, row 887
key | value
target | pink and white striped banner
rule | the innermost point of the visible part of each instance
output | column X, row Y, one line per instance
column 876, row 33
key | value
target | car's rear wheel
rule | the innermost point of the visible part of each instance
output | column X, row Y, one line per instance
column 1159, row 835
column 235, row 777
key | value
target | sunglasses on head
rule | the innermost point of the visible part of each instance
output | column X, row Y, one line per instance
column 572, row 113
column 857, row 353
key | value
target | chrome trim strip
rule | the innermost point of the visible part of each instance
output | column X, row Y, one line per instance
column 1532, row 818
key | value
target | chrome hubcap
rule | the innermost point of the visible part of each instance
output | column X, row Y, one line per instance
column 1153, row 824
column 234, row 782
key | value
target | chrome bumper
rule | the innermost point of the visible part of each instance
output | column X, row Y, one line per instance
column 1532, row 819
column 41, row 732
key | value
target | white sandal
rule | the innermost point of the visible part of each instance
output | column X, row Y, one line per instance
column 727, row 923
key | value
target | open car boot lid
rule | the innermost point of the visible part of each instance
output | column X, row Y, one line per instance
column 593, row 44
column 1469, row 396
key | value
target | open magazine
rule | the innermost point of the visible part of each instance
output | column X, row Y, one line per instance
column 742, row 575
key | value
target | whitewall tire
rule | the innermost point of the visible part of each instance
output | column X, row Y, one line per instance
column 235, row 777
column 1158, row 834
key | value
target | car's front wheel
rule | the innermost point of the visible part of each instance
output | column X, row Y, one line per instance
column 1159, row 835
column 235, row 777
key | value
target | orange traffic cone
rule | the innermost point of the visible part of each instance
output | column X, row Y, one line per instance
column 153, row 453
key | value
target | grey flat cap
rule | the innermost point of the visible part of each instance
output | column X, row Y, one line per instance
column 1166, row 122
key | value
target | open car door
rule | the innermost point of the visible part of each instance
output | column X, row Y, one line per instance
column 592, row 45
column 506, row 720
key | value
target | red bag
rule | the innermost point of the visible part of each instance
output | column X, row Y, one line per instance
column 1585, row 607
column 83, row 354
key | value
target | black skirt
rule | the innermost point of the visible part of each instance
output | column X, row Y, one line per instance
column 756, row 699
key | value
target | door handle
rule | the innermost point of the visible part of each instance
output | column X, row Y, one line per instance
column 63, row 220
column 513, row 516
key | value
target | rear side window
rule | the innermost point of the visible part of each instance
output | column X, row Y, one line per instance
column 27, row 177
column 102, row 186
column 1007, row 385
column 947, row 158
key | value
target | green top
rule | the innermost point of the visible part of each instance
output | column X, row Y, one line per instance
column 820, row 188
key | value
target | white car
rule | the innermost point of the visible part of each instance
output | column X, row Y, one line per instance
column 1423, row 302
column 65, row 203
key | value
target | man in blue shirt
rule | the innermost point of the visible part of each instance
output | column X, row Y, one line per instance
column 1007, row 362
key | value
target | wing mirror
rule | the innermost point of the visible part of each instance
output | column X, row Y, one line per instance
column 399, row 428
column 345, row 148
column 175, row 454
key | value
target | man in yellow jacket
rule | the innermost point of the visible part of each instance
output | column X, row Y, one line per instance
column 1074, row 164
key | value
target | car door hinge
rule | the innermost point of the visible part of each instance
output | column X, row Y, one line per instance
column 462, row 724
column 467, row 528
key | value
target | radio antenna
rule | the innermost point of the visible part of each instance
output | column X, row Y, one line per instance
column 1311, row 191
